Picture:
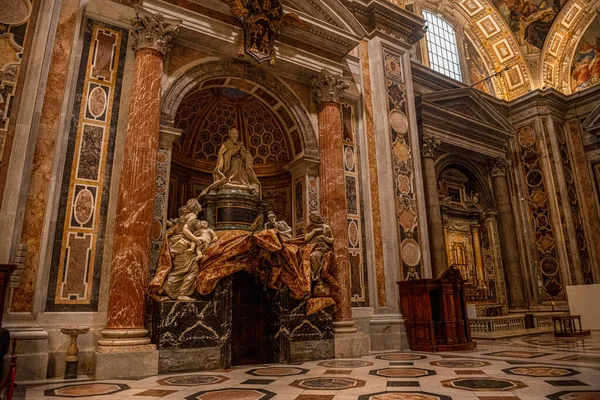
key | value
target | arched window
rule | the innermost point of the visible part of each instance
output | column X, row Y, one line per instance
column 441, row 46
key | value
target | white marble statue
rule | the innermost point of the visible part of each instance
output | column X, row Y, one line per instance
column 284, row 229
column 234, row 169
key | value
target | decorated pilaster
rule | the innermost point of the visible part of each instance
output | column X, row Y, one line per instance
column 328, row 88
column 478, row 255
column 305, row 191
column 125, row 331
column 506, row 229
column 435, row 226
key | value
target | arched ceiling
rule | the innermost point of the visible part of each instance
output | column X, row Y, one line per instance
column 531, row 41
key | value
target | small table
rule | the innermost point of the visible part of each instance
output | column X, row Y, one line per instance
column 567, row 326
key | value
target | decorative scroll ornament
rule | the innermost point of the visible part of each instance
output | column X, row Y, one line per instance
column 429, row 146
column 153, row 31
column 262, row 21
column 328, row 87
column 499, row 166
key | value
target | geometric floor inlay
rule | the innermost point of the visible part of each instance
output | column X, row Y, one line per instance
column 460, row 363
column 402, row 372
column 155, row 393
column 566, row 382
column 400, row 357
column 575, row 395
column 581, row 358
column 85, row 390
column 321, row 383
column 192, row 380
column 277, row 371
column 544, row 372
column 517, row 354
column 345, row 364
column 232, row 394
column 392, row 395
column 491, row 384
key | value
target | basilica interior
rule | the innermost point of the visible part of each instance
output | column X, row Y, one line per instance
column 300, row 199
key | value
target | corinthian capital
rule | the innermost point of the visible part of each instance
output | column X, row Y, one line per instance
column 429, row 146
column 328, row 87
column 153, row 31
column 498, row 166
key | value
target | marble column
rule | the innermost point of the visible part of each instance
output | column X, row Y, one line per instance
column 328, row 88
column 508, row 236
column 125, row 331
column 435, row 226
column 478, row 255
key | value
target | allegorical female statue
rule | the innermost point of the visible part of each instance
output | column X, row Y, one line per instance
column 234, row 167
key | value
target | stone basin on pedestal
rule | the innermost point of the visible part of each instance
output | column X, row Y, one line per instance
column 72, row 358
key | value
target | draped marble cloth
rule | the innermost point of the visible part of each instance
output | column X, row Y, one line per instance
column 276, row 263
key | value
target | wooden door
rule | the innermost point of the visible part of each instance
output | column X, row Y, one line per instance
column 248, row 332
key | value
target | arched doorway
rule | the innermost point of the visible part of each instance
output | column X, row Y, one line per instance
column 470, row 232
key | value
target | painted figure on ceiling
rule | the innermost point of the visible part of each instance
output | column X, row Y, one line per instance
column 530, row 20
column 585, row 70
column 234, row 169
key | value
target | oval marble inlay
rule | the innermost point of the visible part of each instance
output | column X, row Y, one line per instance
column 349, row 158
column 353, row 233
column 15, row 12
column 97, row 101
column 411, row 253
column 398, row 121
column 527, row 137
column 83, row 206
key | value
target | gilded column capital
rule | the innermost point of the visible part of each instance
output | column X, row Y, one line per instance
column 498, row 166
column 328, row 87
column 153, row 31
column 429, row 146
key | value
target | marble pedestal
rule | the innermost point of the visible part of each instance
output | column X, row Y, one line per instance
column 310, row 337
column 231, row 209
column 124, row 362
column 194, row 335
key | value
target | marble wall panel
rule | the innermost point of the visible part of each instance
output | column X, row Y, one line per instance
column 548, row 278
column 160, row 206
column 357, row 252
column 574, row 206
column 43, row 157
column 81, row 223
column 372, row 165
column 403, row 164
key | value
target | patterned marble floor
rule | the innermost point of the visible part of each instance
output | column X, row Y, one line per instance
column 529, row 368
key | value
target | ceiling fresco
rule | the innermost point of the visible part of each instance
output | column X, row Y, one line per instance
column 529, row 20
column 531, row 44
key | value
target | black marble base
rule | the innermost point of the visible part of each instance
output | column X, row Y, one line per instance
column 71, row 370
column 231, row 209
column 186, row 360
column 196, row 335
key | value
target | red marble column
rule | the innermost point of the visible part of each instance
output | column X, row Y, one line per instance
column 132, row 238
column 332, row 182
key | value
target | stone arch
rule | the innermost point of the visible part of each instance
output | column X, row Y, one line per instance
column 567, row 30
column 213, row 69
column 447, row 160
column 489, row 32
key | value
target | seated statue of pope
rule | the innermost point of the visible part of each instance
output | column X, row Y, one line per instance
column 234, row 169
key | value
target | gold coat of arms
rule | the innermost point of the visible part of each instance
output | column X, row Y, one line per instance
column 262, row 21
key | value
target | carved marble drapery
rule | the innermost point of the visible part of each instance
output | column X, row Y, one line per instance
column 135, row 204
column 327, row 88
column 508, row 235
column 435, row 226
